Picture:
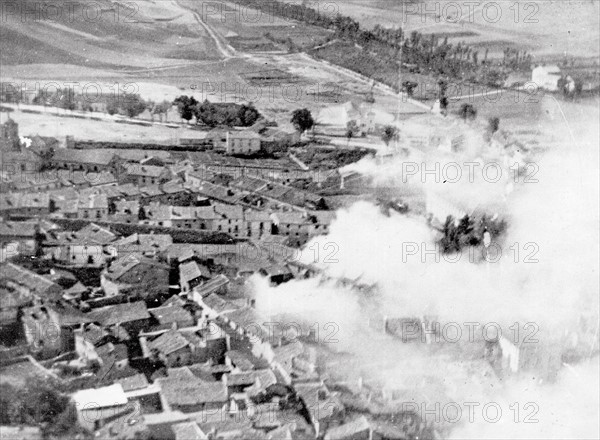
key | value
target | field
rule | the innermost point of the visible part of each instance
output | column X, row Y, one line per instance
column 543, row 28
column 109, row 34
column 246, row 29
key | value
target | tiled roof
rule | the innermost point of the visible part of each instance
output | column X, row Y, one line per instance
column 188, row 431
column 121, row 266
column 131, row 383
column 135, row 169
column 120, row 313
column 96, row 234
column 191, row 270
column 36, row 283
column 212, row 285
column 88, row 156
column 218, row 304
column 348, row 430
column 168, row 342
column 171, row 314
column 180, row 373
column 179, row 392
column 17, row 229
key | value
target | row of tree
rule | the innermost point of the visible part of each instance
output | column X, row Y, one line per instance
column 429, row 54
column 216, row 114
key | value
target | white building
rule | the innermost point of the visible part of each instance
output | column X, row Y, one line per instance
column 546, row 77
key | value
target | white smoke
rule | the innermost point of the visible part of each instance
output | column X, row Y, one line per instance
column 547, row 274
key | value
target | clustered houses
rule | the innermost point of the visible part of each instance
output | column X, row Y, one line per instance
column 163, row 330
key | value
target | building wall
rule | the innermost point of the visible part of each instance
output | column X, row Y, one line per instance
column 93, row 213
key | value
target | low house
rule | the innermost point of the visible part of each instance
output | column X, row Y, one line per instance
column 358, row 429
column 258, row 223
column 142, row 174
column 284, row 358
column 216, row 285
column 171, row 317
column 90, row 160
column 90, row 246
column 93, row 206
column 276, row 273
column 526, row 355
column 11, row 302
column 147, row 245
column 188, row 395
column 323, row 408
column 18, row 238
column 237, row 142
column 251, row 382
column 214, row 306
column 231, row 218
column 187, row 346
column 546, row 77
column 192, row 274
column 188, row 431
column 96, row 406
column 24, row 204
column 135, row 276
column 28, row 283
column 188, row 217
column 133, row 317
column 42, row 329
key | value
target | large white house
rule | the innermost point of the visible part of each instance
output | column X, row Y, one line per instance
column 546, row 77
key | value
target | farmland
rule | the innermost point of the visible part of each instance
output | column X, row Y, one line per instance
column 543, row 28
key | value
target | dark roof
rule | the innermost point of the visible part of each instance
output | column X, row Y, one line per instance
column 120, row 313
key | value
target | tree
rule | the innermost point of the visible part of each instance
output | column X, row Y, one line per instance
column 409, row 87
column 467, row 112
column 248, row 115
column 351, row 129
column 186, row 106
column 493, row 125
column 112, row 106
column 302, row 120
column 133, row 105
column 389, row 133
column 39, row 402
column 142, row 213
column 162, row 108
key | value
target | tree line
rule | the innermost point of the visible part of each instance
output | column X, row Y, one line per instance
column 425, row 54
column 216, row 114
